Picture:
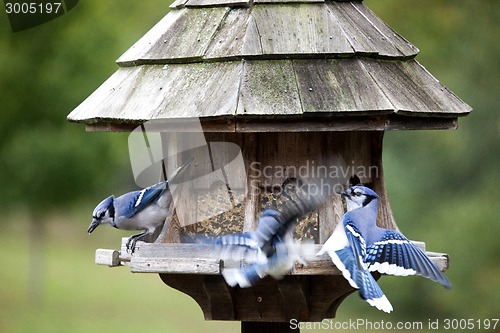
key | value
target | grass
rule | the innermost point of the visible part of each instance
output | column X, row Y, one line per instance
column 78, row 296
column 75, row 295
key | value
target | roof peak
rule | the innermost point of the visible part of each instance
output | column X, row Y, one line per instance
column 268, row 31
column 243, row 3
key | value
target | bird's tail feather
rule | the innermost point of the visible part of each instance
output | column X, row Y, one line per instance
column 369, row 290
column 177, row 175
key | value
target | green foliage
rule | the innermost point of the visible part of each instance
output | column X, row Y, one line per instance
column 443, row 185
column 46, row 72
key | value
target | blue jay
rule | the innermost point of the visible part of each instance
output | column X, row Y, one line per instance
column 138, row 210
column 271, row 248
column 358, row 246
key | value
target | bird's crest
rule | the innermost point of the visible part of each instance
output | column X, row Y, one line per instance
column 103, row 206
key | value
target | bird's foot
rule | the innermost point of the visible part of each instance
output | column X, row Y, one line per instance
column 131, row 243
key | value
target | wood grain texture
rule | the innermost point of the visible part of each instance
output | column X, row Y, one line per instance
column 168, row 91
column 236, row 37
column 363, row 36
column 220, row 297
column 263, row 303
column 295, row 295
column 252, row 207
column 385, row 217
column 107, row 100
column 109, row 258
column 309, row 124
column 299, row 29
column 181, row 35
column 269, row 87
column 267, row 28
column 323, row 123
column 204, row 259
column 198, row 90
column 412, row 90
column 336, row 85
column 253, row 88
column 142, row 47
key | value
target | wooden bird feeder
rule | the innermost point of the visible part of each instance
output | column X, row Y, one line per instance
column 296, row 85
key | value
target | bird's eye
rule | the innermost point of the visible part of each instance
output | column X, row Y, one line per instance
column 358, row 194
column 101, row 214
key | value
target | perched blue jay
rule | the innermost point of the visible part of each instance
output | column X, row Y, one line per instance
column 358, row 246
column 271, row 248
column 138, row 210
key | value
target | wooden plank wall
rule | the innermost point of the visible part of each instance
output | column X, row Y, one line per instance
column 210, row 207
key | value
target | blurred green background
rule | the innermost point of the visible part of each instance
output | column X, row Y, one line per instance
column 442, row 184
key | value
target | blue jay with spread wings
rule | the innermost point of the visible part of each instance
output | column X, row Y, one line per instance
column 271, row 248
column 358, row 246
column 138, row 210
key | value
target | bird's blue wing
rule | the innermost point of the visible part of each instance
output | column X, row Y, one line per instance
column 262, row 239
column 357, row 242
column 286, row 253
column 394, row 254
column 144, row 198
column 267, row 249
column 244, row 240
column 270, row 224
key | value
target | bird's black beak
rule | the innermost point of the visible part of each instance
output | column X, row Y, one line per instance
column 93, row 225
column 345, row 194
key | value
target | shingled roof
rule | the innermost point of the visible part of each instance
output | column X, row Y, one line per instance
column 240, row 61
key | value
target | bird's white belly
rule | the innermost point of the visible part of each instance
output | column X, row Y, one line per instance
column 338, row 239
column 149, row 218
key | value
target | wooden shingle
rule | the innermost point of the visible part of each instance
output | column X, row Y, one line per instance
column 335, row 85
column 237, row 36
column 247, row 62
column 413, row 90
column 363, row 36
column 299, row 30
column 184, row 36
column 279, row 88
column 269, row 87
